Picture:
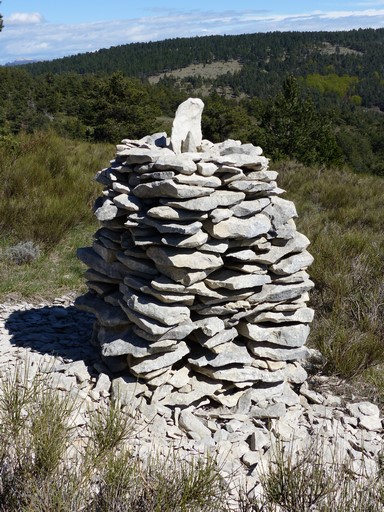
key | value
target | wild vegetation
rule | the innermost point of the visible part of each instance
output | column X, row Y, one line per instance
column 336, row 77
column 313, row 103
column 47, row 463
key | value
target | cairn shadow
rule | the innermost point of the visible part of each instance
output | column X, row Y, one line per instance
column 56, row 330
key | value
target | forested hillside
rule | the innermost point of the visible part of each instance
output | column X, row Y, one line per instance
column 314, row 96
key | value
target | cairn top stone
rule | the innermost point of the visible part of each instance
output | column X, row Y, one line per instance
column 186, row 129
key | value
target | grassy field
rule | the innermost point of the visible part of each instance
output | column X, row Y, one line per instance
column 46, row 197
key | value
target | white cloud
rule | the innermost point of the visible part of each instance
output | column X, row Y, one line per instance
column 30, row 37
column 24, row 18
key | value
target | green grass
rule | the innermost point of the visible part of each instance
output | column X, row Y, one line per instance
column 46, row 198
column 343, row 215
column 47, row 185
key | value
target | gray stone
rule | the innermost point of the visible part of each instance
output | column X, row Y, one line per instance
column 106, row 314
column 228, row 174
column 276, row 353
column 285, row 335
column 164, row 284
column 262, row 175
column 194, row 260
column 103, row 384
column 292, row 264
column 210, row 326
column 238, row 375
column 243, row 255
column 280, row 293
column 154, row 175
column 180, row 378
column 167, row 315
column 215, row 246
column 295, row 373
column 220, row 341
column 167, row 227
column 250, row 207
column 303, row 315
column 233, row 147
column 187, row 120
column 220, row 214
column 108, row 255
column 169, row 188
column 107, row 211
column 370, row 423
column 168, row 213
column 206, row 204
column 189, row 242
column 236, row 281
column 250, row 187
column 272, row 411
column 226, row 358
column 142, row 155
column 239, row 227
column 312, row 396
column 184, row 276
column 141, row 266
column 241, row 160
column 127, row 202
column 145, row 323
column 259, row 440
column 206, row 168
column 280, row 211
column 198, row 181
column 169, row 298
column 191, row 424
column 125, row 389
column 144, row 366
column 121, row 188
column 113, row 270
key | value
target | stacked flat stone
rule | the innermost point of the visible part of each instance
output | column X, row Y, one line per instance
column 197, row 275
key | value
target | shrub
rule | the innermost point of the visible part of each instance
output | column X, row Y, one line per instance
column 22, row 253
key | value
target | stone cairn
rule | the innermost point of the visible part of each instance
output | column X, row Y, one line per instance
column 197, row 275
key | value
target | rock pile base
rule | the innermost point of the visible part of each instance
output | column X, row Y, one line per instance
column 55, row 338
column 197, row 275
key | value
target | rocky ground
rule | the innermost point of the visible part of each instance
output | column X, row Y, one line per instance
column 55, row 338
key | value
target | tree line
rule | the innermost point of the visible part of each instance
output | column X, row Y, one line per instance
column 314, row 111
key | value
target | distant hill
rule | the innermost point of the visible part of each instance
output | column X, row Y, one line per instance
column 317, row 97
column 21, row 62
column 262, row 60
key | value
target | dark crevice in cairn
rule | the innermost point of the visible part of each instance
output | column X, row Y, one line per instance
column 197, row 275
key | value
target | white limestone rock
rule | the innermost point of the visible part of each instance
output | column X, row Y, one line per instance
column 169, row 188
column 293, row 264
column 218, row 198
column 239, row 228
column 235, row 281
column 190, row 259
column 141, row 367
column 192, row 425
column 152, row 308
column 187, row 123
column 285, row 335
column 276, row 353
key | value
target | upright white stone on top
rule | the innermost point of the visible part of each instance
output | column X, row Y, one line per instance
column 186, row 129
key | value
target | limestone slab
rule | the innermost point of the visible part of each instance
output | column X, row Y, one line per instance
column 284, row 335
column 235, row 227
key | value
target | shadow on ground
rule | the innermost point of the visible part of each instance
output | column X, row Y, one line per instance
column 56, row 330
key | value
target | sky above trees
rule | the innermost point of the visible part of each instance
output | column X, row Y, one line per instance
column 42, row 29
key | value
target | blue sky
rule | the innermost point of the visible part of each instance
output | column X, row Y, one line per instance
column 47, row 29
